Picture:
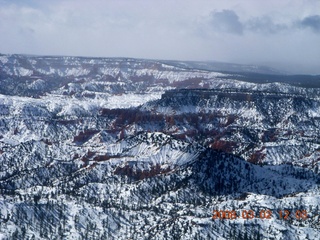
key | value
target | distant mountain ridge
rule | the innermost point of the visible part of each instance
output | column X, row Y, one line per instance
column 226, row 67
column 36, row 75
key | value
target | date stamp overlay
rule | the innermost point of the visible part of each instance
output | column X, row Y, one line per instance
column 247, row 214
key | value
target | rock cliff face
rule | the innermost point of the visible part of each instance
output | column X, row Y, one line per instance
column 262, row 126
column 97, row 148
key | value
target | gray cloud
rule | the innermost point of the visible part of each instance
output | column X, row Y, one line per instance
column 312, row 22
column 264, row 25
column 226, row 21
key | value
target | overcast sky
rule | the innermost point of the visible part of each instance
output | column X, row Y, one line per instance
column 284, row 34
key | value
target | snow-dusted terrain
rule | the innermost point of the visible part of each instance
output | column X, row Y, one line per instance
column 115, row 148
